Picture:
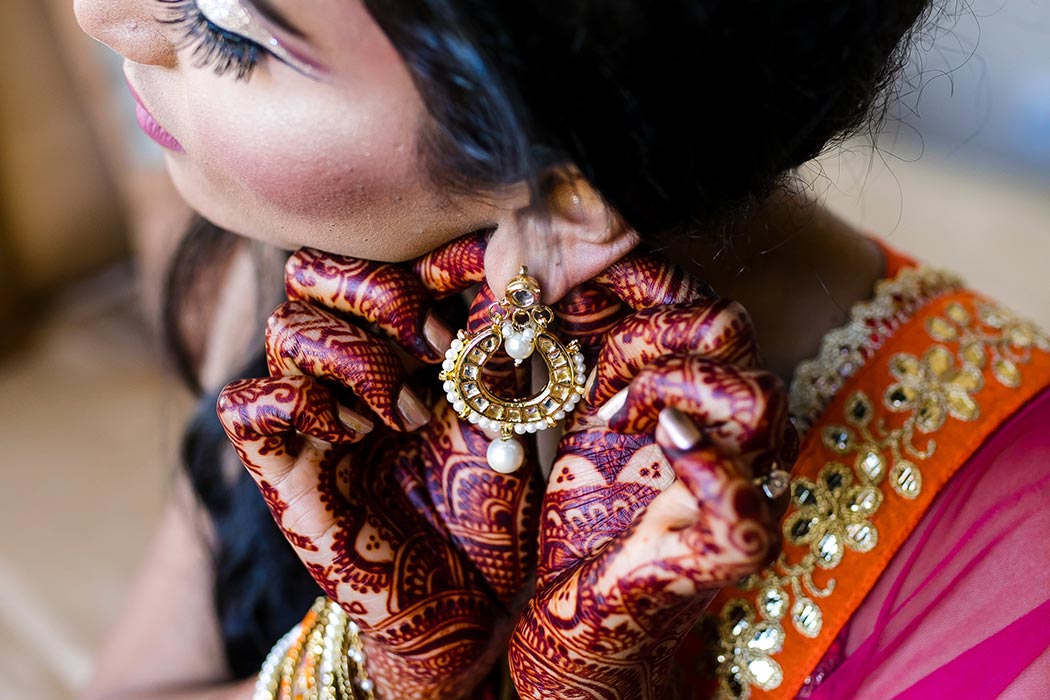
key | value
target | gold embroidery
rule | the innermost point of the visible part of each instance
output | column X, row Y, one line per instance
column 748, row 658
column 835, row 512
column 846, row 349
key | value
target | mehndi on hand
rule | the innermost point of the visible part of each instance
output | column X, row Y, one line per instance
column 425, row 547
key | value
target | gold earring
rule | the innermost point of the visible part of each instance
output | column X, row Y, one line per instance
column 519, row 323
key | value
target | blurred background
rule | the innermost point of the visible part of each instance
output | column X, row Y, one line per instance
column 90, row 412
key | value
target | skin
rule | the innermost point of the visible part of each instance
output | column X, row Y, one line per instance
column 330, row 164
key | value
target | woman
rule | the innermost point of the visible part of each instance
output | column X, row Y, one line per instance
column 382, row 132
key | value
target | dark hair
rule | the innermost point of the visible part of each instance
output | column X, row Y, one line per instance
column 678, row 112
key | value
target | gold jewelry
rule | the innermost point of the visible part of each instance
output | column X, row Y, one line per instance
column 519, row 323
column 321, row 658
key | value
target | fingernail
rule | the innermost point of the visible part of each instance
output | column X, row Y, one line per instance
column 611, row 407
column 437, row 333
column 680, row 428
column 354, row 421
column 591, row 376
column 412, row 409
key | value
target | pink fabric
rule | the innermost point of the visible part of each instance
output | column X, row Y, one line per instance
column 963, row 609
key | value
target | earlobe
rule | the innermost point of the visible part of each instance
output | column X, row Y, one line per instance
column 565, row 240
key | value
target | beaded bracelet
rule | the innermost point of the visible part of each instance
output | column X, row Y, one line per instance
column 321, row 658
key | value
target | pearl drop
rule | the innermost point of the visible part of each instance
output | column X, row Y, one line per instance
column 518, row 347
column 505, row 456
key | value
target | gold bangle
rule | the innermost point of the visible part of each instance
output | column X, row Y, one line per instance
column 321, row 658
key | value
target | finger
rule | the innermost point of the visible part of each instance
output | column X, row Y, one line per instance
column 263, row 419
column 742, row 412
column 644, row 280
column 587, row 313
column 722, row 498
column 454, row 266
column 716, row 328
column 304, row 340
column 387, row 295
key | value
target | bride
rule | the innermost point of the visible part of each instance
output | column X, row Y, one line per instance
column 636, row 160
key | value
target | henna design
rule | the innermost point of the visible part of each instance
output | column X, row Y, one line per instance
column 636, row 536
column 609, row 626
column 429, row 619
column 718, row 329
column 426, row 548
column 454, row 266
column 740, row 411
column 302, row 339
column 643, row 280
column 381, row 293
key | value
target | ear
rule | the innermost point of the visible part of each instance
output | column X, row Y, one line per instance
column 566, row 238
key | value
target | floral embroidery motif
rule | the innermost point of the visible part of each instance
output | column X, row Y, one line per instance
column 749, row 661
column 834, row 513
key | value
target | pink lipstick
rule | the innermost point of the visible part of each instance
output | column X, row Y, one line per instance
column 152, row 128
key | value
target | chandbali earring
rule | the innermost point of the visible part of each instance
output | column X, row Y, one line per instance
column 520, row 324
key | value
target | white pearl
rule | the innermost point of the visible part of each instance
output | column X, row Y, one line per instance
column 449, row 387
column 474, row 418
column 529, row 333
column 485, row 422
column 519, row 428
column 578, row 357
column 456, row 346
column 505, row 456
column 507, row 329
column 448, row 365
column 559, row 415
column 518, row 347
column 459, row 406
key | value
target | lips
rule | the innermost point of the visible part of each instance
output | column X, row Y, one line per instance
column 152, row 127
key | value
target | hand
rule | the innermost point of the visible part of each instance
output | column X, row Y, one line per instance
column 637, row 536
column 395, row 513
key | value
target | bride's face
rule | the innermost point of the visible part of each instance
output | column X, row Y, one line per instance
column 318, row 146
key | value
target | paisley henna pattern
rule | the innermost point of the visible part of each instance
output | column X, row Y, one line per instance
column 426, row 548
column 636, row 536
column 490, row 517
column 430, row 551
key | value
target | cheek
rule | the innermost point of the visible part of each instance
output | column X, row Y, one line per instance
column 316, row 160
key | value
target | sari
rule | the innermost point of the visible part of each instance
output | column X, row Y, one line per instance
column 916, row 560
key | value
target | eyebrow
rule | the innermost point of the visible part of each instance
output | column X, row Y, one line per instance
column 266, row 9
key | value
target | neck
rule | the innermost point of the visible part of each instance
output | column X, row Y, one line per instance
column 795, row 267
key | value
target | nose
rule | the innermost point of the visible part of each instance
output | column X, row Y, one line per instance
column 129, row 27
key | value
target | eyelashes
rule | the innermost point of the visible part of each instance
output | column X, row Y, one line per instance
column 211, row 45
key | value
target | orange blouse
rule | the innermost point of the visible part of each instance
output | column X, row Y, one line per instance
column 895, row 404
